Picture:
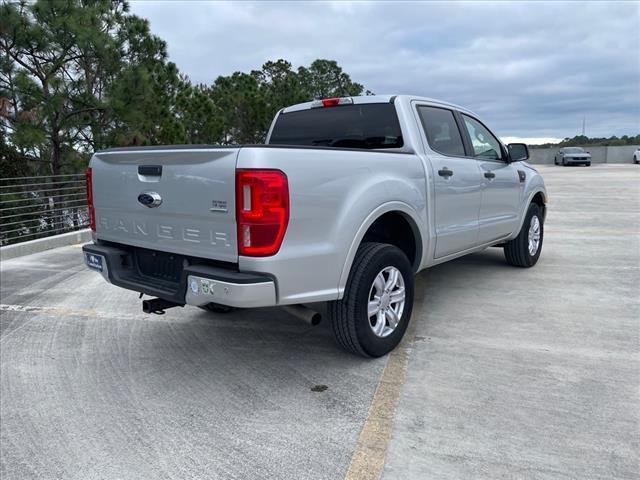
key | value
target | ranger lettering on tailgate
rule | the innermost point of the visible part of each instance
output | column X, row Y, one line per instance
column 162, row 231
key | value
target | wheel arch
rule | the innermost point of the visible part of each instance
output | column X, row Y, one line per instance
column 410, row 240
column 537, row 196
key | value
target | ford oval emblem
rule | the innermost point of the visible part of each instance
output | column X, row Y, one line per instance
column 150, row 199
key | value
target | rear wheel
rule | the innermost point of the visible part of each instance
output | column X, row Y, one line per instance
column 588, row 164
column 564, row 163
column 555, row 160
column 524, row 250
column 374, row 314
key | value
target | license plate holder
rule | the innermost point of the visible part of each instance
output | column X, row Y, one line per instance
column 93, row 261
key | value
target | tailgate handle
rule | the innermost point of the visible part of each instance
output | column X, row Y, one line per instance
column 150, row 170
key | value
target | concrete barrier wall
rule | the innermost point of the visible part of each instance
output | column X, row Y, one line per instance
column 42, row 244
column 621, row 154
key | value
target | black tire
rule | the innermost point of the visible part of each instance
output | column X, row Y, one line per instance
column 564, row 163
column 217, row 308
column 588, row 164
column 349, row 317
column 555, row 160
column 516, row 251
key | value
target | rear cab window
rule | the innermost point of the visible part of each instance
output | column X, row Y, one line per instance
column 442, row 130
column 363, row 126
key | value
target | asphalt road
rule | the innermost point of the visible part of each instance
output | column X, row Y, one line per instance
column 506, row 373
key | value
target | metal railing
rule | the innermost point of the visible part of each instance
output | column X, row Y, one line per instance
column 37, row 207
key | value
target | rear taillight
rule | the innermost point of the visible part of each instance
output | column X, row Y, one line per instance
column 262, row 211
column 92, row 212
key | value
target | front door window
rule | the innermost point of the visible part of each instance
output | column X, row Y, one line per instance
column 485, row 145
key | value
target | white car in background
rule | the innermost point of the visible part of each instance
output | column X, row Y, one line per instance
column 636, row 156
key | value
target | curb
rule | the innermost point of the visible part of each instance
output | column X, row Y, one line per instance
column 42, row 244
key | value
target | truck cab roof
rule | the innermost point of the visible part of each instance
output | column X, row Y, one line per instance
column 376, row 122
column 377, row 99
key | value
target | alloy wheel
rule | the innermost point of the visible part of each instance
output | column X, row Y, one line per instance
column 386, row 301
column 534, row 235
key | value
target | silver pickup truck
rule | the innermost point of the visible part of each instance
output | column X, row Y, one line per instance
column 346, row 201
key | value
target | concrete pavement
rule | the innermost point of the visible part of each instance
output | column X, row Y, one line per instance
column 533, row 373
column 510, row 373
column 93, row 389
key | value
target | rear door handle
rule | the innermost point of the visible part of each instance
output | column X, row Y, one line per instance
column 445, row 172
column 489, row 175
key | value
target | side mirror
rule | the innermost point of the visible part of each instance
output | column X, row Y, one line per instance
column 518, row 152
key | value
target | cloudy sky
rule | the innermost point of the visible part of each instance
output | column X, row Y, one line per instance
column 532, row 69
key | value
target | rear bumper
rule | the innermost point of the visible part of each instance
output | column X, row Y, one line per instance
column 198, row 284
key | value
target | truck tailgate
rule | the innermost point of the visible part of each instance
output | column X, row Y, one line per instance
column 176, row 199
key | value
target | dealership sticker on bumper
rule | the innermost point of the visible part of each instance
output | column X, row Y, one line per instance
column 93, row 261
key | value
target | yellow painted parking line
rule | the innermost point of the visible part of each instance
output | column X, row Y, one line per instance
column 367, row 462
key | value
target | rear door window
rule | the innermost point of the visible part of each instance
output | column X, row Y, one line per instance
column 442, row 130
column 369, row 125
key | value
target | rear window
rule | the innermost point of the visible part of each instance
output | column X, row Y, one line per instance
column 442, row 130
column 371, row 126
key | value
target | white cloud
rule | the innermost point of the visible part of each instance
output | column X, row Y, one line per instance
column 531, row 69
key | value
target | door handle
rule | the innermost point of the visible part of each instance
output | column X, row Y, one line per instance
column 445, row 172
column 489, row 175
column 150, row 170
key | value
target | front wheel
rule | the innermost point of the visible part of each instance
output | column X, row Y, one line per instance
column 374, row 313
column 524, row 250
column 588, row 164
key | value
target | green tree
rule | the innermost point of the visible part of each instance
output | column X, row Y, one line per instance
column 582, row 140
column 247, row 103
column 143, row 93
column 325, row 79
column 242, row 103
column 52, row 52
column 198, row 114
column 281, row 85
column 81, row 75
column 142, row 100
